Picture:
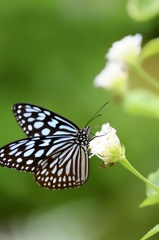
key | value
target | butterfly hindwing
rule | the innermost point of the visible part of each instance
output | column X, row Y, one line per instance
column 65, row 170
column 55, row 166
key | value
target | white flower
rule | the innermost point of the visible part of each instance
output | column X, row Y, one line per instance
column 113, row 77
column 126, row 50
column 106, row 145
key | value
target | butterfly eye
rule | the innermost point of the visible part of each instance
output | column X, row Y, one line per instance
column 56, row 150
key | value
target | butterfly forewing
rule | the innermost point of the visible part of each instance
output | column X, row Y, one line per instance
column 25, row 154
column 37, row 121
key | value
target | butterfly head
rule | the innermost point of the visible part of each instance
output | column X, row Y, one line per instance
column 83, row 136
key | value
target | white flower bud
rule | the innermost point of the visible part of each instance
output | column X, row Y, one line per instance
column 106, row 145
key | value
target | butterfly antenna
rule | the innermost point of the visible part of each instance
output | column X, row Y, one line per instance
column 96, row 114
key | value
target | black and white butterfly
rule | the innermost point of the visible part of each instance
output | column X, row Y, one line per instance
column 56, row 150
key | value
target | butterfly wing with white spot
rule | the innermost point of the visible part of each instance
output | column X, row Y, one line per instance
column 37, row 121
column 66, row 169
column 25, row 154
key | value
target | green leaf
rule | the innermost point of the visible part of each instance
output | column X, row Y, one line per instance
column 152, row 195
column 150, row 49
column 143, row 10
column 153, row 231
column 141, row 102
column 150, row 201
column 153, row 177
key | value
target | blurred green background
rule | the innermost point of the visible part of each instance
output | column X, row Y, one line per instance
column 50, row 52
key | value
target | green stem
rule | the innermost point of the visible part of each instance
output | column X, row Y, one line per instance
column 154, row 83
column 127, row 165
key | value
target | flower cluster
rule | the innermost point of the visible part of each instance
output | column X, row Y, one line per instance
column 126, row 50
column 113, row 76
column 106, row 145
column 121, row 55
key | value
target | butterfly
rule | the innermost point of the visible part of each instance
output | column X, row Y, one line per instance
column 56, row 150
